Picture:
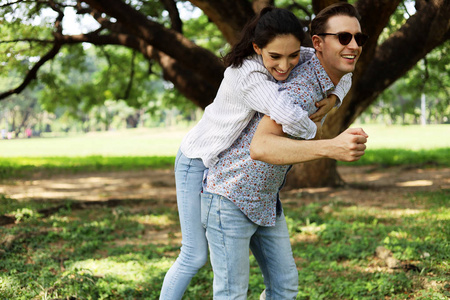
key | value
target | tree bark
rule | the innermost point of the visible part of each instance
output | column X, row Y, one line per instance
column 311, row 173
column 378, row 67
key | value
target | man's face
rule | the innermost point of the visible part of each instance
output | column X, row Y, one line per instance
column 280, row 56
column 338, row 59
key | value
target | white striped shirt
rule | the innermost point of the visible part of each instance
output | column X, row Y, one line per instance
column 244, row 91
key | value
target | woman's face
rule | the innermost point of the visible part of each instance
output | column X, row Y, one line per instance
column 280, row 56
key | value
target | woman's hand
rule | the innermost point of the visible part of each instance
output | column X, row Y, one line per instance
column 319, row 131
column 324, row 106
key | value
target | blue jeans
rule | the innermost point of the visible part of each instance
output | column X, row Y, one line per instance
column 230, row 235
column 194, row 249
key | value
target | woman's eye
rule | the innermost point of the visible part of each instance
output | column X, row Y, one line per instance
column 274, row 56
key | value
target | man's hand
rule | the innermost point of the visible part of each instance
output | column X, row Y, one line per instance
column 349, row 145
column 324, row 106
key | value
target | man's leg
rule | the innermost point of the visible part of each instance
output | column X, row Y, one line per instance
column 272, row 249
column 228, row 232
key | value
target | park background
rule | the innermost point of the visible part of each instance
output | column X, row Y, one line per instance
column 88, row 207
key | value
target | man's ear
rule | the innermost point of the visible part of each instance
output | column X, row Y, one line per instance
column 317, row 42
column 256, row 48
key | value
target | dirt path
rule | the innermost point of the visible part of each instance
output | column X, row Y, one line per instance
column 367, row 186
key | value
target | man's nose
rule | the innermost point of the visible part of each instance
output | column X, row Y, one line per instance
column 353, row 44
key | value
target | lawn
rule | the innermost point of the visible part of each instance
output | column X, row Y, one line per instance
column 165, row 141
column 65, row 249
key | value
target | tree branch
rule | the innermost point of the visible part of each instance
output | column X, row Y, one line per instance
column 230, row 19
column 174, row 15
column 188, row 82
column 424, row 31
column 163, row 39
column 32, row 74
column 130, row 81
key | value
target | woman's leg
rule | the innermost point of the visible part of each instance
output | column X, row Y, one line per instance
column 272, row 249
column 228, row 231
column 194, row 249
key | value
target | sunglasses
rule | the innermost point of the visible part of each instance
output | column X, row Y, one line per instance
column 346, row 37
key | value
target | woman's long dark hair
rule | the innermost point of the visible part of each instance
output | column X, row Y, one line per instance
column 261, row 30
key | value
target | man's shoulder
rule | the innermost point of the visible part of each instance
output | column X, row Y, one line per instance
column 303, row 72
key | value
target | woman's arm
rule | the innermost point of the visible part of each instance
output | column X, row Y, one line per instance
column 270, row 145
column 262, row 94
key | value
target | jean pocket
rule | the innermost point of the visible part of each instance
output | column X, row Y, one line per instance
column 206, row 200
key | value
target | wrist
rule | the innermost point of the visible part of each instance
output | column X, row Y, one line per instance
column 323, row 148
column 334, row 99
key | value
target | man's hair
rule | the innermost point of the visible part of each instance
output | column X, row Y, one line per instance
column 319, row 23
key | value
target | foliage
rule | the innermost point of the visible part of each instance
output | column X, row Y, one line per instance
column 89, row 72
column 400, row 103
column 109, row 252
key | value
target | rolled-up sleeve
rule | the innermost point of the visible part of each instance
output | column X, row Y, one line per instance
column 261, row 94
column 342, row 88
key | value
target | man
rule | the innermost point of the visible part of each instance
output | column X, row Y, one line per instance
column 335, row 38
column 240, row 205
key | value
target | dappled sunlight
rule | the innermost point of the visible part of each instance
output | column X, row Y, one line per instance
column 442, row 215
column 377, row 212
column 154, row 184
column 8, row 282
column 135, row 269
column 160, row 220
column 154, row 237
column 415, row 183
column 374, row 177
column 304, row 238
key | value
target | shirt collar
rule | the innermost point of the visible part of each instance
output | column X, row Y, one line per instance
column 324, row 80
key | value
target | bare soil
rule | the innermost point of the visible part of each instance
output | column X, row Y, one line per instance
column 366, row 185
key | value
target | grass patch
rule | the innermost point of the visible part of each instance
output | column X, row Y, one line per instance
column 25, row 167
column 397, row 156
column 111, row 252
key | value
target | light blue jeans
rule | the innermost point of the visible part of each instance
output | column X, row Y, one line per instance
column 230, row 235
column 194, row 249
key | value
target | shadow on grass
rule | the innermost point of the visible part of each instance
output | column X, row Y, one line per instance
column 111, row 252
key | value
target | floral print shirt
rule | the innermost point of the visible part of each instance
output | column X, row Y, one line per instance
column 254, row 185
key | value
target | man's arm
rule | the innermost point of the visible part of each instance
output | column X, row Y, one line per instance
column 270, row 145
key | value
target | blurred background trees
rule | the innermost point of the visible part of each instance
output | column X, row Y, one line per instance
column 104, row 64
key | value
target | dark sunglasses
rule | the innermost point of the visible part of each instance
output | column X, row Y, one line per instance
column 346, row 37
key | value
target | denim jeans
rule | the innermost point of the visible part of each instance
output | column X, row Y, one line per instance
column 230, row 235
column 194, row 249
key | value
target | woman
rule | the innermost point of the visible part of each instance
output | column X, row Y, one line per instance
column 249, row 86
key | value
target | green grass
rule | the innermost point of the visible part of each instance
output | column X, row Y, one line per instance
column 25, row 167
column 410, row 137
column 395, row 157
column 165, row 141
column 112, row 253
column 108, row 252
column 130, row 142
column 156, row 148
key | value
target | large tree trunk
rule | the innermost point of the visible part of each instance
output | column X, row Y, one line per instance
column 314, row 174
column 375, row 72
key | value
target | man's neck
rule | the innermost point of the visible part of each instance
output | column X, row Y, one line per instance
column 335, row 78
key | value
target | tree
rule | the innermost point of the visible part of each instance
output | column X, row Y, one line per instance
column 400, row 103
column 154, row 29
